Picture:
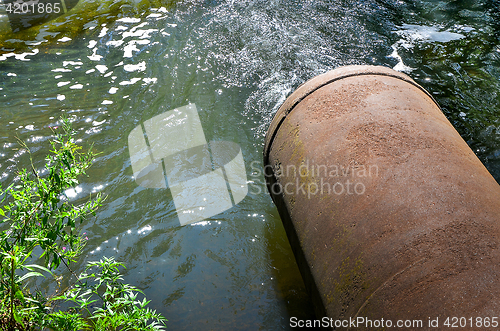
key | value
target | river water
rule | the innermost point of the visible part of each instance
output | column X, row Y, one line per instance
column 236, row 61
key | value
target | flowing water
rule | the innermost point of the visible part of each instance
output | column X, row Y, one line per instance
column 237, row 61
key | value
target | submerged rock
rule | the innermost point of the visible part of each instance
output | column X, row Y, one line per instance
column 33, row 23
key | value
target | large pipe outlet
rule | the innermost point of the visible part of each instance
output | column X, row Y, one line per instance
column 388, row 211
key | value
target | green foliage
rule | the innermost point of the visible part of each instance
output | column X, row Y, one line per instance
column 36, row 216
column 115, row 305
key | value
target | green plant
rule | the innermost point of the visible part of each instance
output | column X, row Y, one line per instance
column 116, row 306
column 37, row 217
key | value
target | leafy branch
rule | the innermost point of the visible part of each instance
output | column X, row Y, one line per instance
column 38, row 216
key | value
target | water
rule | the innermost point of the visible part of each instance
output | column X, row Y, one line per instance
column 237, row 61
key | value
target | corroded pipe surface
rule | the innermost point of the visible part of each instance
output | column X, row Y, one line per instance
column 389, row 212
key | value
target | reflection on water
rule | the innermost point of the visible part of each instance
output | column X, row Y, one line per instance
column 237, row 61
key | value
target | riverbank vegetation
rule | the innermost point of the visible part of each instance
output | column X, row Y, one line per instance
column 40, row 234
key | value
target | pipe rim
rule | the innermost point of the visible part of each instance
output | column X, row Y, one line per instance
column 317, row 82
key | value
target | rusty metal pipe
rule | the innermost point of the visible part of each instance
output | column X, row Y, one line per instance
column 388, row 211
